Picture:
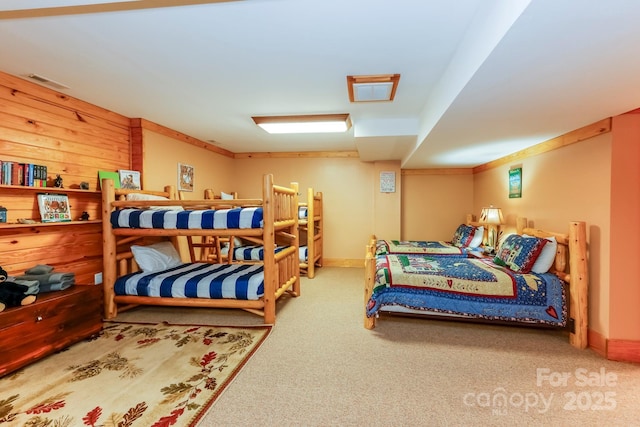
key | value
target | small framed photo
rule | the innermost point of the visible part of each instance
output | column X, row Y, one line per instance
column 387, row 182
column 185, row 177
column 515, row 183
column 54, row 207
column 129, row 180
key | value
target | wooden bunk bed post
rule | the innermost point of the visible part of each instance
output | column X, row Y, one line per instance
column 109, row 250
column 268, row 237
column 311, row 252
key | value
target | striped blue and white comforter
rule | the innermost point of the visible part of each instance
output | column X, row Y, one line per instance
column 196, row 280
column 256, row 253
column 191, row 220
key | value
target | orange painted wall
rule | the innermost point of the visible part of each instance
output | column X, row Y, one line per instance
column 162, row 155
column 624, row 297
column 433, row 205
column 568, row 184
column 347, row 185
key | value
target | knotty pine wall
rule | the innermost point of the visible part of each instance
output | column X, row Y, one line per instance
column 74, row 139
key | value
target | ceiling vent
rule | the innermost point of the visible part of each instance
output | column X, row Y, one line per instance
column 373, row 88
column 46, row 81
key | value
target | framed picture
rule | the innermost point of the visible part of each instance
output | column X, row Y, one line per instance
column 387, row 182
column 185, row 177
column 54, row 207
column 129, row 179
column 515, row 183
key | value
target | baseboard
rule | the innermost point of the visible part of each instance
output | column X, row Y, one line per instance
column 623, row 350
column 597, row 342
column 618, row 350
column 359, row 263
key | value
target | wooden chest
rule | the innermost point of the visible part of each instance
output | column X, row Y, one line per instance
column 55, row 321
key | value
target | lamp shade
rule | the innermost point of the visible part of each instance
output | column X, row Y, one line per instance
column 491, row 215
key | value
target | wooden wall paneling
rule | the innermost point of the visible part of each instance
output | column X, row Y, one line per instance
column 74, row 139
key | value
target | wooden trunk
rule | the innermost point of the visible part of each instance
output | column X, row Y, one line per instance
column 55, row 321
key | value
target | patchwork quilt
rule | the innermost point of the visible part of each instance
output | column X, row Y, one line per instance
column 475, row 288
column 384, row 247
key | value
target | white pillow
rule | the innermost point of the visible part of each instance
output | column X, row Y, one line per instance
column 156, row 257
column 141, row 196
column 226, row 196
column 547, row 256
column 478, row 236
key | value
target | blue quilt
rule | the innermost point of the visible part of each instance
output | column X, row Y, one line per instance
column 468, row 287
column 196, row 280
column 191, row 220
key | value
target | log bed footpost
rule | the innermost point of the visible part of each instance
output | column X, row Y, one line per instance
column 369, row 276
column 579, row 284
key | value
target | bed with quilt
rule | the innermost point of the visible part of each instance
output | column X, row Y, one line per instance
column 467, row 237
column 527, row 282
column 142, row 266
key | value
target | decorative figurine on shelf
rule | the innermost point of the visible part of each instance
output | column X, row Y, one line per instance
column 58, row 182
column 84, row 216
column 84, row 185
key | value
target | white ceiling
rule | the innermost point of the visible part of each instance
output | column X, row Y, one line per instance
column 479, row 78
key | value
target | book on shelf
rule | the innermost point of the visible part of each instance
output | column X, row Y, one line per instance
column 129, row 179
column 26, row 174
column 110, row 175
column 54, row 207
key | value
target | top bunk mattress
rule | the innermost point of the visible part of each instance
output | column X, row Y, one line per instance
column 240, row 218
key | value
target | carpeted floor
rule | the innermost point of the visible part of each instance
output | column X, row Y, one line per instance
column 320, row 367
column 133, row 374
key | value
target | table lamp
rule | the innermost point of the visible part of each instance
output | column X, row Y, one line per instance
column 492, row 217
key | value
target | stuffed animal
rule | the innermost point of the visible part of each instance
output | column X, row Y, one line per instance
column 13, row 294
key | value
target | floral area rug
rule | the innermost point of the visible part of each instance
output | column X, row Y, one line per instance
column 132, row 374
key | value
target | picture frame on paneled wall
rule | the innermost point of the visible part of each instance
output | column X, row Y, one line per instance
column 185, row 177
column 515, row 183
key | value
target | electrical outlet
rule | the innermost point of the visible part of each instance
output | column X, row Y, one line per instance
column 97, row 278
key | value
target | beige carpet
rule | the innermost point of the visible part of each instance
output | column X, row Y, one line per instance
column 320, row 367
column 133, row 374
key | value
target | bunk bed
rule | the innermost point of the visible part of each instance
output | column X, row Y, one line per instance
column 488, row 289
column 311, row 224
column 310, row 228
column 134, row 219
column 212, row 248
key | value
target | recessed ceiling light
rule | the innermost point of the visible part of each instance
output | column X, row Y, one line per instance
column 372, row 88
column 315, row 123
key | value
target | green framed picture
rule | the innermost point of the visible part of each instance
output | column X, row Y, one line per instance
column 515, row 183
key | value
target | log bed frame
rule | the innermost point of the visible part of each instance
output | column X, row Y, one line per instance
column 281, row 270
column 570, row 266
column 313, row 229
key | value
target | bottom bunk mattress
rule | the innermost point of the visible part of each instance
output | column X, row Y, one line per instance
column 196, row 280
column 256, row 252
column 464, row 287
